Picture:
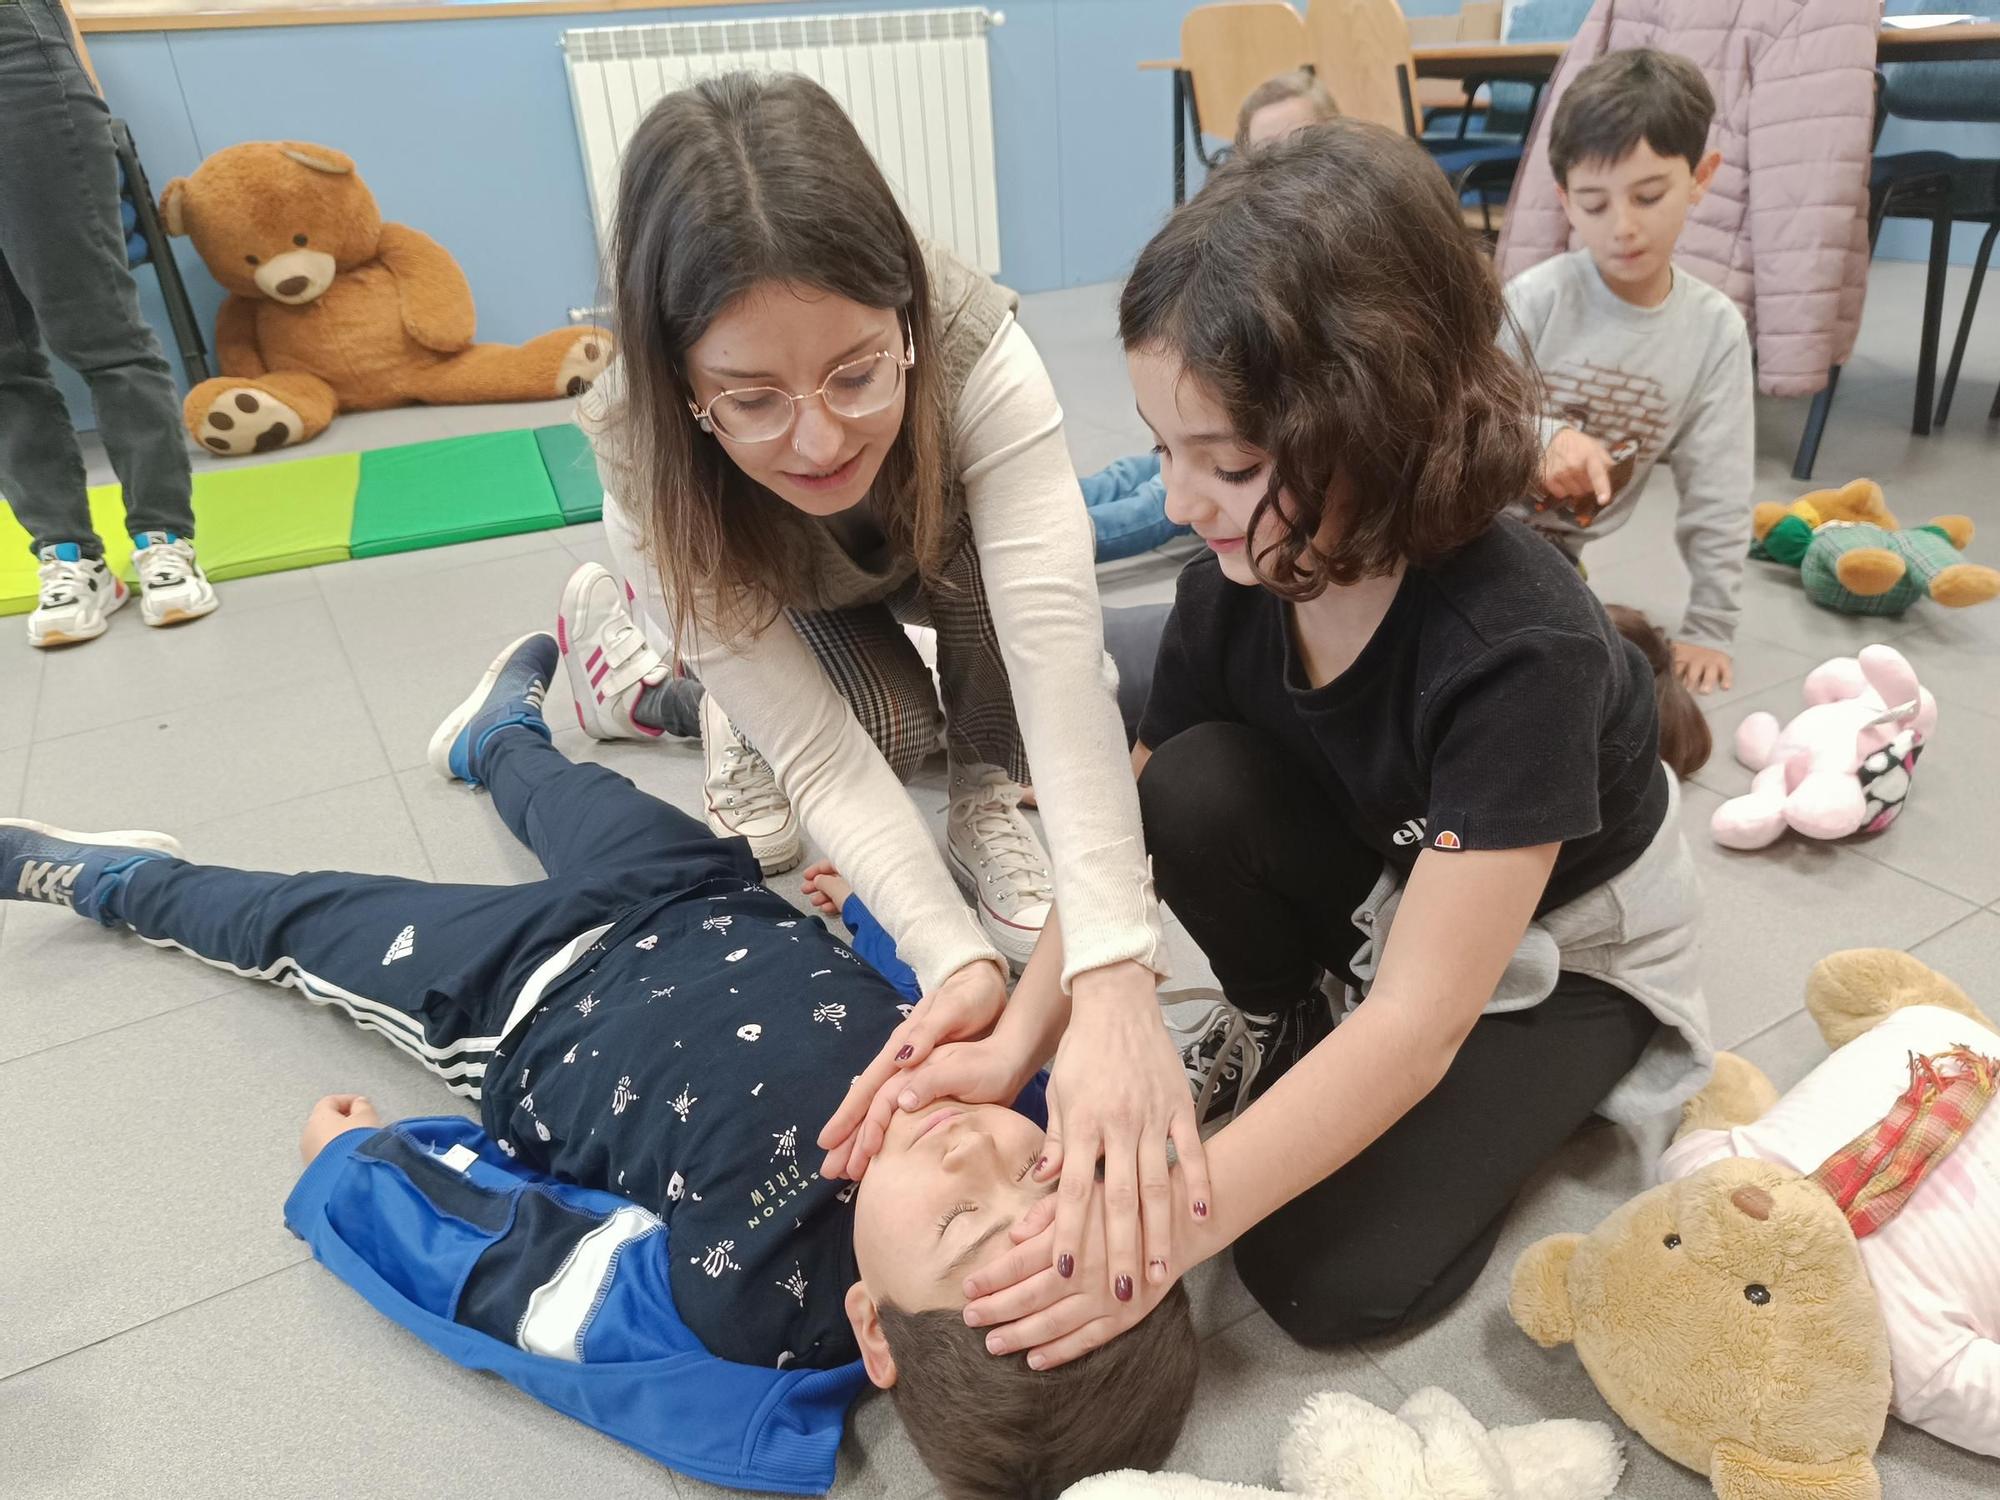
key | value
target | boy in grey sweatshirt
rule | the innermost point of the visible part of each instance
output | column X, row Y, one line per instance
column 1638, row 361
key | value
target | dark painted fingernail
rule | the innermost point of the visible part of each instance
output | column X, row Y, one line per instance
column 1122, row 1288
column 906, row 1054
column 1200, row 1209
column 1065, row 1266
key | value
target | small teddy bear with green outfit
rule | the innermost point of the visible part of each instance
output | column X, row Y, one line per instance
column 1853, row 556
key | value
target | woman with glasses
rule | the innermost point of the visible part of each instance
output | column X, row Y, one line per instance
column 818, row 432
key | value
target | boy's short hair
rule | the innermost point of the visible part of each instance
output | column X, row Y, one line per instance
column 1623, row 98
column 1328, row 294
column 990, row 1428
column 1300, row 83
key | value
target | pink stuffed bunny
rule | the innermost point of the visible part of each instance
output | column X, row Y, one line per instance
column 1842, row 765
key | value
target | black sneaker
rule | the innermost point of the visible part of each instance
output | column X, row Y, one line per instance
column 1223, row 1050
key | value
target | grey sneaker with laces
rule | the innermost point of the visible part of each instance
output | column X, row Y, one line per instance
column 743, row 799
column 997, row 860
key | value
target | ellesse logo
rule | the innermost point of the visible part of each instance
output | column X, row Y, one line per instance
column 1446, row 839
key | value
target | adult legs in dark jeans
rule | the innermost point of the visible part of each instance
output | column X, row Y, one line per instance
column 63, row 278
column 436, row 968
column 1266, row 877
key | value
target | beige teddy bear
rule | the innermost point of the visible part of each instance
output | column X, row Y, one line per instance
column 330, row 309
column 1758, row 1314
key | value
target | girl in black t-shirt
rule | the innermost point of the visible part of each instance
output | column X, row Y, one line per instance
column 1392, row 742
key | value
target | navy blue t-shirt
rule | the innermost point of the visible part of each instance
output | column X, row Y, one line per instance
column 688, row 1062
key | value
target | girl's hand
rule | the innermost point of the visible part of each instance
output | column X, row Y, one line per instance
column 1117, row 1090
column 335, row 1115
column 828, row 892
column 1032, row 1308
column 964, row 1007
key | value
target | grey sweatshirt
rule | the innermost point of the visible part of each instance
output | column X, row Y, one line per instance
column 1676, row 380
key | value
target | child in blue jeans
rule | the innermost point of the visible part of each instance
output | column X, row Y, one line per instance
column 1127, row 501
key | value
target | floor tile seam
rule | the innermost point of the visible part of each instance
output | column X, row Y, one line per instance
column 193, row 702
column 91, row 1036
column 304, row 1258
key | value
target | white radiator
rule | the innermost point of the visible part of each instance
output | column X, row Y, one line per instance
column 913, row 81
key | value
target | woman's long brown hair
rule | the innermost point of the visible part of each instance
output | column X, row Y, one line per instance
column 732, row 182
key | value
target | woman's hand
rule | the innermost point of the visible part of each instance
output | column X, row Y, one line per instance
column 334, row 1115
column 964, row 1007
column 1117, row 1090
column 987, row 1071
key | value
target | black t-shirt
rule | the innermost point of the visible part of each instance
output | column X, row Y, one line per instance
column 688, row 1063
column 1496, row 707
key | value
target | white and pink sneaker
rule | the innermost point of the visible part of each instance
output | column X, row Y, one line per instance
column 609, row 661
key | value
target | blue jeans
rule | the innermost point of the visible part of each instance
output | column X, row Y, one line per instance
column 1127, row 501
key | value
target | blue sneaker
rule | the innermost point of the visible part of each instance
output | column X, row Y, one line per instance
column 510, row 693
column 58, row 867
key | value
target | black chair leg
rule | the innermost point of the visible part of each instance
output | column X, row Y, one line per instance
column 1802, row 466
column 1927, row 349
column 160, row 251
column 1180, row 137
column 1965, row 320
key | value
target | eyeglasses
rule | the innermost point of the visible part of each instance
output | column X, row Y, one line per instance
column 764, row 413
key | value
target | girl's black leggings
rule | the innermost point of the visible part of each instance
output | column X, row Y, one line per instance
column 1265, row 876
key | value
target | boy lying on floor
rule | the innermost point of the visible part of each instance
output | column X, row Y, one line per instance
column 637, row 1237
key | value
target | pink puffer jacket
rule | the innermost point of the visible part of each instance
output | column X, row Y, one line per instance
column 1784, row 227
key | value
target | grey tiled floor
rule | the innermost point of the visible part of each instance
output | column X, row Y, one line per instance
column 160, row 1333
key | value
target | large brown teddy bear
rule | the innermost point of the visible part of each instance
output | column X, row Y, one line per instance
column 331, row 310
column 1759, row 1314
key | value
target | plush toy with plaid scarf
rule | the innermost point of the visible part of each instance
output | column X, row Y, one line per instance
column 1854, row 556
column 1808, row 1264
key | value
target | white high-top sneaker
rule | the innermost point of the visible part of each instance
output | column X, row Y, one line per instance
column 997, row 860
column 743, row 796
column 78, row 596
column 172, row 586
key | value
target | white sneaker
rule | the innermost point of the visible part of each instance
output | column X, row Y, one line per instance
column 997, row 859
column 743, row 797
column 172, row 587
column 78, row 597
column 609, row 661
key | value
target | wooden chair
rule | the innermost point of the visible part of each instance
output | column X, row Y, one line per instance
column 1360, row 50
column 1227, row 51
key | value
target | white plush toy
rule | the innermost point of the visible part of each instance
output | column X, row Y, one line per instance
column 1342, row 1448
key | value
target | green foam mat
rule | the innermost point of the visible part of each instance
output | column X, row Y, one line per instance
column 263, row 518
column 454, row 490
column 573, row 471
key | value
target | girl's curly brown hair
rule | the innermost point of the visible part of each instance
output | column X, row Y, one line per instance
column 1327, row 293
